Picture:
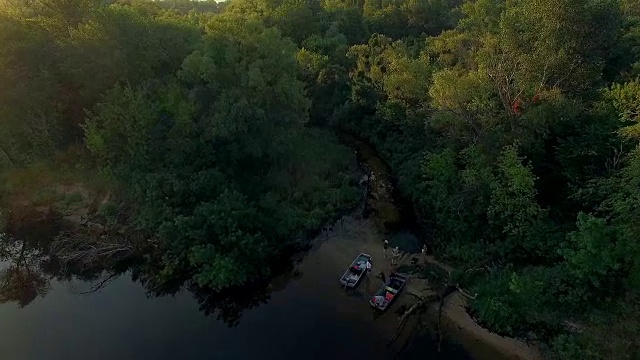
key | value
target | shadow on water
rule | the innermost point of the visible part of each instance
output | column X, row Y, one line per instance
column 27, row 270
column 228, row 305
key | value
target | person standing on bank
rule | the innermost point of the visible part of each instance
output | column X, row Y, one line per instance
column 385, row 246
column 395, row 255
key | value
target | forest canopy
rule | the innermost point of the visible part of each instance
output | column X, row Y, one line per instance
column 512, row 126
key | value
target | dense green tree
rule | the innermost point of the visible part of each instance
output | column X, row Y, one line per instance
column 211, row 155
column 296, row 19
column 512, row 126
column 49, row 61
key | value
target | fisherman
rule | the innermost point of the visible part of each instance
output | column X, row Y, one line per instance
column 385, row 246
column 395, row 255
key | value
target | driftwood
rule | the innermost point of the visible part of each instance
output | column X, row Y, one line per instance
column 464, row 293
column 104, row 281
column 83, row 248
column 424, row 301
column 421, row 304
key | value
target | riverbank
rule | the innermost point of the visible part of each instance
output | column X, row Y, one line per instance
column 480, row 342
column 454, row 323
column 458, row 326
column 324, row 313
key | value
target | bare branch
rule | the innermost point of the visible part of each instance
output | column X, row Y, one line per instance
column 83, row 249
column 100, row 285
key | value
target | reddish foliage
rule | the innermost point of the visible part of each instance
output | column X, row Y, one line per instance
column 536, row 99
column 517, row 107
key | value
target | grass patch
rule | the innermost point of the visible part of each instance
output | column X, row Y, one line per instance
column 48, row 183
column 69, row 200
column 44, row 196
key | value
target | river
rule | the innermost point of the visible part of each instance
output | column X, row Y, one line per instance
column 302, row 313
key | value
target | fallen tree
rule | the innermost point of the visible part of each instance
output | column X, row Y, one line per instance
column 448, row 287
column 421, row 305
column 91, row 246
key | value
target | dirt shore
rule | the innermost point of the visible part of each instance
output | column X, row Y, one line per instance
column 458, row 327
column 353, row 234
column 480, row 342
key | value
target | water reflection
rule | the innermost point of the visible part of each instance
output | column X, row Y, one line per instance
column 303, row 316
column 27, row 270
column 227, row 305
column 21, row 276
column 24, row 266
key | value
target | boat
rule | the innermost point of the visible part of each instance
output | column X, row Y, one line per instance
column 389, row 291
column 356, row 271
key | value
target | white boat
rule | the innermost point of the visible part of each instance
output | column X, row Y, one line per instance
column 356, row 271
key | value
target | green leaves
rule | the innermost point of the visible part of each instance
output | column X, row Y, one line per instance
column 389, row 67
column 457, row 91
column 120, row 131
column 517, row 302
column 592, row 251
column 513, row 206
column 625, row 99
column 59, row 58
column 296, row 19
column 220, row 241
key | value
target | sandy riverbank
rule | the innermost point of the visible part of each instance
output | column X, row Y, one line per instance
column 478, row 341
column 457, row 326
column 460, row 328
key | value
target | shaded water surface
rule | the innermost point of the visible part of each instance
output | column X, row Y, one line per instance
column 303, row 313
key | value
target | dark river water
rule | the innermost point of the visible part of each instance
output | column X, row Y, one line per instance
column 302, row 314
column 120, row 322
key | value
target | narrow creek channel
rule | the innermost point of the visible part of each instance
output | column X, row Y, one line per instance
column 302, row 314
